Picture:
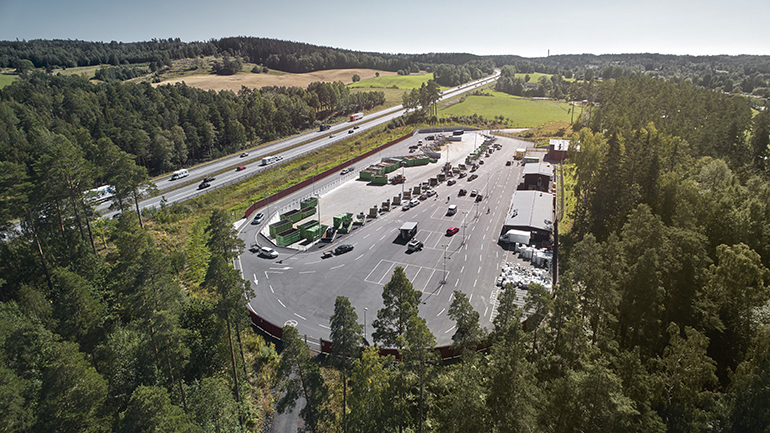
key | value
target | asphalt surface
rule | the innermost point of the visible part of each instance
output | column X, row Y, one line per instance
column 299, row 287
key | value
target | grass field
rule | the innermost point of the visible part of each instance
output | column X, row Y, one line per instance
column 392, row 96
column 533, row 77
column 6, row 80
column 522, row 112
column 413, row 81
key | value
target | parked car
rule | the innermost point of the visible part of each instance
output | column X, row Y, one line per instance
column 452, row 230
column 268, row 252
column 507, row 163
column 423, row 197
column 414, row 202
column 474, row 192
column 430, row 193
column 414, row 245
column 451, row 182
column 406, row 206
column 462, row 192
column 462, row 174
column 479, row 197
column 472, row 177
column 240, row 168
column 244, row 154
column 481, row 161
column 342, row 249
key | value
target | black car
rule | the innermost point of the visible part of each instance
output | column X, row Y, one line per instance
column 342, row 249
column 209, row 179
column 204, row 185
column 479, row 197
column 462, row 192
column 259, row 215
column 473, row 176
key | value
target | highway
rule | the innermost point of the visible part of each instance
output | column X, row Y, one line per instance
column 226, row 167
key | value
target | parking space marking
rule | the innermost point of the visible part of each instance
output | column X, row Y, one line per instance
column 337, row 267
column 271, row 288
column 450, row 329
column 279, row 301
column 306, row 272
column 439, row 313
column 359, row 256
column 299, row 316
column 324, row 326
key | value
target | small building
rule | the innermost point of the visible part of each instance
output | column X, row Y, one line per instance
column 531, row 211
column 538, row 176
column 557, row 150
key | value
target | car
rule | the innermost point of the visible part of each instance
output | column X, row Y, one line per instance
column 117, row 216
column 507, row 163
column 342, row 249
column 462, row 192
column 474, row 192
column 240, row 168
column 356, row 127
column 209, row 179
column 406, row 206
column 423, row 197
column 344, row 171
column 256, row 221
column 430, row 193
column 244, row 154
column 204, row 185
column 419, row 142
column 451, row 182
column 452, row 230
column 414, row 202
column 259, row 215
column 472, row 177
column 268, row 252
column 350, row 131
column 481, row 162
column 414, row 245
column 331, row 136
column 479, row 197
column 462, row 174
column 411, row 150
column 430, row 137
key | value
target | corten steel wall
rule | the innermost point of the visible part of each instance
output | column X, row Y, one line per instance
column 306, row 182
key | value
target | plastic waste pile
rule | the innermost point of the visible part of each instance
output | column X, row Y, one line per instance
column 522, row 276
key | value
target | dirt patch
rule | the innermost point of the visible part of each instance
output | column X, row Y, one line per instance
column 250, row 80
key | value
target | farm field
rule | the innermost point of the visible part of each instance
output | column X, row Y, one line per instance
column 248, row 79
column 6, row 80
column 413, row 81
column 522, row 112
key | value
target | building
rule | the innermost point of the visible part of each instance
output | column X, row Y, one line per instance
column 537, row 176
column 557, row 150
column 531, row 211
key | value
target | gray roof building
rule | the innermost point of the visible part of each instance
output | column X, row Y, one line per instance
column 532, row 211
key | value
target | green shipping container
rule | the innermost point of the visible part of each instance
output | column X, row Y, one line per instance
column 288, row 237
column 279, row 227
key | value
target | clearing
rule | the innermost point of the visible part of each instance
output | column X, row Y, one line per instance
column 522, row 112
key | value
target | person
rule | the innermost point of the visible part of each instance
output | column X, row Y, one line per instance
column 488, row 210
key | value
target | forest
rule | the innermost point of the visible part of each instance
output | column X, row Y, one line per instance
column 660, row 321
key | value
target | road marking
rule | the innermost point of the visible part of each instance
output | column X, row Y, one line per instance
column 450, row 329
column 462, row 269
column 383, row 237
column 256, row 282
column 439, row 313
column 266, row 277
column 497, row 254
column 470, row 298
column 485, row 312
column 480, row 259
column 359, row 256
column 457, row 282
column 337, row 267
column 279, row 301
column 379, row 228
column 370, row 248
column 312, row 263
column 324, row 326
column 271, row 288
column 466, row 257
column 367, row 236
column 484, row 238
column 299, row 316
column 306, row 272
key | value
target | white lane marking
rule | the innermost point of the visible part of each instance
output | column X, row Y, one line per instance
column 470, row 298
column 484, row 238
column 312, row 263
column 324, row 326
column 359, row 256
column 482, row 247
column 462, row 269
column 480, row 259
column 474, row 282
column 485, row 312
column 383, row 237
column 457, row 282
column 370, row 248
column 279, row 301
column 337, row 267
column 379, row 228
column 266, row 277
column 306, row 272
column 299, row 316
column 466, row 256
column 439, row 313
column 369, row 234
column 271, row 288
column 450, row 329
column 256, row 282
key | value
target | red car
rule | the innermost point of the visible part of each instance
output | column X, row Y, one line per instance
column 240, row 167
column 452, row 230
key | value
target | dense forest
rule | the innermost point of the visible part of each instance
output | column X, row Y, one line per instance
column 660, row 322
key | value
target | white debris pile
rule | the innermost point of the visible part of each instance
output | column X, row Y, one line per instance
column 538, row 257
column 522, row 276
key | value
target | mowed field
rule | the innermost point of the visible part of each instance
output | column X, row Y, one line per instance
column 413, row 81
column 7, row 79
column 522, row 112
column 251, row 80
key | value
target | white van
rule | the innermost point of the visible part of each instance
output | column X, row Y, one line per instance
column 452, row 209
column 179, row 174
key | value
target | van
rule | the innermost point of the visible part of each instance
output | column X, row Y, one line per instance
column 179, row 174
column 452, row 209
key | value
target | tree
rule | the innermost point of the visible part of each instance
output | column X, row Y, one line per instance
column 346, row 336
column 468, row 332
column 372, row 394
column 750, row 388
column 418, row 356
column 356, row 78
column 401, row 302
column 223, row 238
column 150, row 409
column 301, row 377
column 538, row 304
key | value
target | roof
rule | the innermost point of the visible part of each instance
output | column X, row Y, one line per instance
column 559, row 144
column 538, row 168
column 530, row 209
column 409, row 225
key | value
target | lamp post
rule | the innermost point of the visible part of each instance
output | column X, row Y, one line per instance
column 365, row 310
column 443, row 281
column 465, row 214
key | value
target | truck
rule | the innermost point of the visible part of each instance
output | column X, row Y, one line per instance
column 179, row 174
column 515, row 236
column 398, row 179
column 519, row 155
column 329, row 235
column 458, row 132
column 269, row 160
column 356, row 116
column 408, row 230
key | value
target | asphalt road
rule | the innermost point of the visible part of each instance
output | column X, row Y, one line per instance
column 226, row 167
column 300, row 289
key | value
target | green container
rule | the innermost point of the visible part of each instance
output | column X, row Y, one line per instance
column 280, row 227
column 416, row 190
column 288, row 237
column 308, row 202
column 293, row 215
column 306, row 212
column 314, row 233
column 366, row 174
column 380, row 179
column 304, row 227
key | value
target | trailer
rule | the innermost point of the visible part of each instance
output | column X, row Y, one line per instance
column 269, row 160
column 356, row 116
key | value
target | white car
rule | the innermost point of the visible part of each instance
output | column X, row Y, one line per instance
column 414, row 202
column 430, row 193
column 268, row 252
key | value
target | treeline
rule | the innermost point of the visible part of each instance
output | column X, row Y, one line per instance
column 164, row 127
column 454, row 75
column 121, row 73
column 660, row 321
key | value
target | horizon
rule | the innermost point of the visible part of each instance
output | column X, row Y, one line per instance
column 598, row 28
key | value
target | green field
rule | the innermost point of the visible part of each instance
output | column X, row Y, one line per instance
column 6, row 80
column 392, row 96
column 533, row 77
column 413, row 81
column 521, row 112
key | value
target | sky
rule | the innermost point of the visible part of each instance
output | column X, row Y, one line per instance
column 482, row 27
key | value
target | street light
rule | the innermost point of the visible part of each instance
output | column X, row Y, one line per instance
column 443, row 281
column 365, row 310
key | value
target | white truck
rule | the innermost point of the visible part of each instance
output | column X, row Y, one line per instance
column 271, row 159
column 179, row 174
column 515, row 236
